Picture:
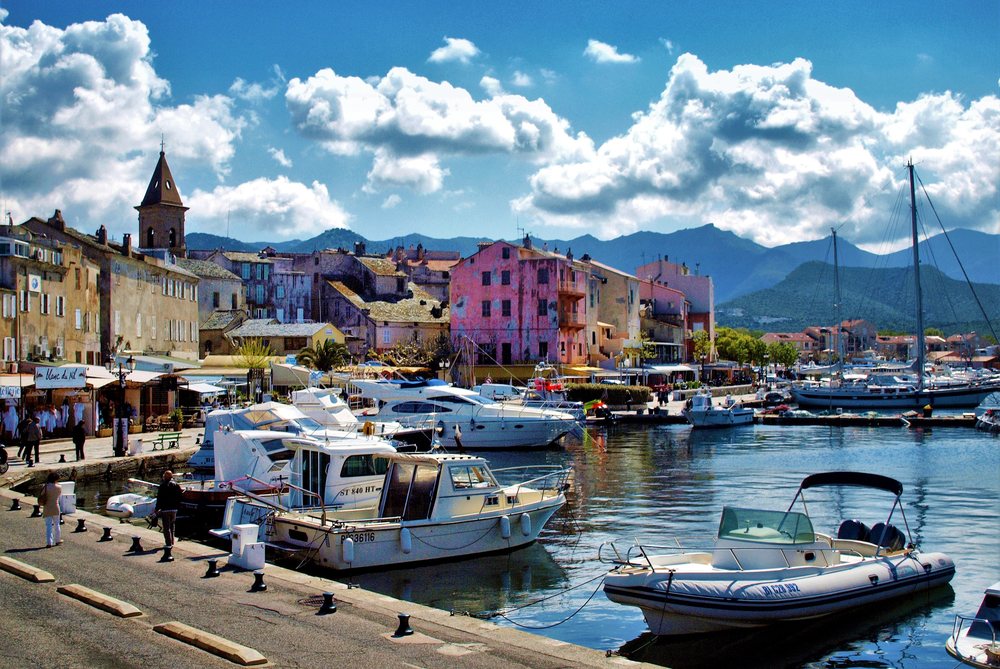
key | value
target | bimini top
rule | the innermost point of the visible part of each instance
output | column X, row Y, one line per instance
column 853, row 479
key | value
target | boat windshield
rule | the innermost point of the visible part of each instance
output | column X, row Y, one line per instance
column 776, row 527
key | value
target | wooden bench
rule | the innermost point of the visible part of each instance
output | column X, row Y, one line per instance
column 165, row 440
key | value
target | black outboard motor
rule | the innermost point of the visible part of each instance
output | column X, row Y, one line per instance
column 887, row 536
column 854, row 530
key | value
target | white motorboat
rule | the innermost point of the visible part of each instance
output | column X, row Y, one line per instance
column 467, row 420
column 273, row 416
column 989, row 421
column 772, row 566
column 138, row 500
column 433, row 506
column 973, row 639
column 703, row 413
column 293, row 471
column 327, row 407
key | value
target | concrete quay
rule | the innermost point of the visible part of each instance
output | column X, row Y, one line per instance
column 86, row 616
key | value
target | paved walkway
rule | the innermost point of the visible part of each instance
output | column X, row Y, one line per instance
column 95, row 448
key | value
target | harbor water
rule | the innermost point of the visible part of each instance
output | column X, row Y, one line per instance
column 666, row 485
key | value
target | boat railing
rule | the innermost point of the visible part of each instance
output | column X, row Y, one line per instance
column 550, row 480
column 638, row 554
column 267, row 502
column 968, row 622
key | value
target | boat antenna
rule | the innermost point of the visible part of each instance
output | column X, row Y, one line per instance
column 837, row 302
column 916, row 278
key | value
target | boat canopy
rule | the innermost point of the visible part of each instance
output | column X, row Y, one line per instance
column 853, row 479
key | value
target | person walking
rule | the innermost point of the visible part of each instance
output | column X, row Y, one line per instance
column 48, row 500
column 79, row 437
column 33, row 435
column 168, row 501
column 22, row 438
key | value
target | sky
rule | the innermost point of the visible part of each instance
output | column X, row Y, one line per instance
column 774, row 120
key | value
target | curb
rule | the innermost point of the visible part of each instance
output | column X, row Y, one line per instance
column 25, row 571
column 100, row 601
column 230, row 650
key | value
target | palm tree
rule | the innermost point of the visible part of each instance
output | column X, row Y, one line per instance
column 324, row 357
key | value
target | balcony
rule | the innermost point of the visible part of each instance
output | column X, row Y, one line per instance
column 576, row 289
column 572, row 320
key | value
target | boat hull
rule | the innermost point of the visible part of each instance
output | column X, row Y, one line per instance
column 495, row 434
column 699, row 600
column 379, row 544
column 719, row 418
column 942, row 398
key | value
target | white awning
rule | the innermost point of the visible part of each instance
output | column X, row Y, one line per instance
column 204, row 389
column 670, row 369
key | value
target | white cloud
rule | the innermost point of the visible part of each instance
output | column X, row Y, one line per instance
column 406, row 120
column 668, row 45
column 771, row 153
column 392, row 201
column 599, row 52
column 79, row 106
column 521, row 80
column 272, row 208
column 252, row 92
column 455, row 49
column 492, row 86
column 280, row 157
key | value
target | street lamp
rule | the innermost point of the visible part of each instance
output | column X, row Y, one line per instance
column 121, row 420
column 703, row 356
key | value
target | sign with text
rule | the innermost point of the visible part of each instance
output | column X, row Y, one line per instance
column 61, row 377
column 10, row 392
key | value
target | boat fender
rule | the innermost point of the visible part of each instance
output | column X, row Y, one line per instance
column 405, row 540
column 525, row 524
column 348, row 550
column 505, row 527
column 127, row 510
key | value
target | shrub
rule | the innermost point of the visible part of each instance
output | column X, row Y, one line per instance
column 610, row 393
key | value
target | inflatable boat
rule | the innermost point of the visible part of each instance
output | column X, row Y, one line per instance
column 772, row 566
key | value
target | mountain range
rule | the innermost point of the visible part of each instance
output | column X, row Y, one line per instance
column 737, row 266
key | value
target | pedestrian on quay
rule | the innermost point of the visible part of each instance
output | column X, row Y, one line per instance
column 48, row 500
column 22, row 438
column 79, row 437
column 33, row 435
column 168, row 501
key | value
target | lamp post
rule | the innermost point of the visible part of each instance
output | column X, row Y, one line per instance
column 121, row 420
column 703, row 356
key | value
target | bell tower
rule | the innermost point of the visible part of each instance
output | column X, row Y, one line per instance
column 161, row 214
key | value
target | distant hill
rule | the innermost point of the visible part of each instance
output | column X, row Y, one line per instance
column 737, row 266
column 884, row 297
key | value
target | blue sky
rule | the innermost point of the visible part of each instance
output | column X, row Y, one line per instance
column 774, row 120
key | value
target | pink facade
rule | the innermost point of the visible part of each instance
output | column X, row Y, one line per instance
column 698, row 290
column 520, row 304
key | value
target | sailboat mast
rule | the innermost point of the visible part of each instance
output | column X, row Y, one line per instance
column 916, row 278
column 836, row 302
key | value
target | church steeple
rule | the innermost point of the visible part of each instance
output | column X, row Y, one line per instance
column 161, row 214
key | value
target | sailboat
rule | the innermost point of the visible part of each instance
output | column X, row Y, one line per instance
column 891, row 391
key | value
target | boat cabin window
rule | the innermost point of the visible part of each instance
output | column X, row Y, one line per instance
column 409, row 491
column 776, row 527
column 419, row 407
column 471, row 476
column 314, row 466
column 363, row 465
column 277, row 449
column 456, row 399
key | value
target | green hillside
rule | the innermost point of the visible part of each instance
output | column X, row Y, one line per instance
column 884, row 297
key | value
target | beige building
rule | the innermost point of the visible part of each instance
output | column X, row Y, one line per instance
column 218, row 288
column 51, row 302
column 283, row 338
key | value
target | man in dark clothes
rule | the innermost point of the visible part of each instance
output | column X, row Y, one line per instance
column 79, row 437
column 33, row 435
column 168, row 501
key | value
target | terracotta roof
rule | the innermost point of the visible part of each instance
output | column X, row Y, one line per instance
column 206, row 269
column 380, row 266
column 162, row 189
column 238, row 256
column 416, row 309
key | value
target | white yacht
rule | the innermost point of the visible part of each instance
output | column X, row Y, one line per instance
column 327, row 407
column 432, row 506
column 973, row 639
column 467, row 420
column 767, row 567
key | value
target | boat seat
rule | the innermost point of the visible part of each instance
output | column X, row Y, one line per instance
column 887, row 536
column 854, row 530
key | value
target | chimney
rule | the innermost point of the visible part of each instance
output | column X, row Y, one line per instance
column 102, row 235
column 527, row 242
column 57, row 221
column 127, row 245
column 359, row 248
column 420, row 251
column 569, row 255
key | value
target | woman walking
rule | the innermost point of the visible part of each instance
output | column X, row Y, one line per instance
column 79, row 437
column 48, row 499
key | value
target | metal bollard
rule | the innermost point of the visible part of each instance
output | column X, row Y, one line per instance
column 136, row 545
column 404, row 626
column 15, row 504
column 62, row 458
column 81, row 525
column 329, row 605
column 213, row 569
column 36, row 512
column 107, row 535
column 258, row 582
column 167, row 557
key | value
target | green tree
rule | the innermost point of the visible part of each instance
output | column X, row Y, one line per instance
column 783, row 353
column 324, row 357
column 253, row 353
column 702, row 344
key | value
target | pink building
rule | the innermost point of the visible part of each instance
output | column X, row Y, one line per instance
column 519, row 304
column 698, row 290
